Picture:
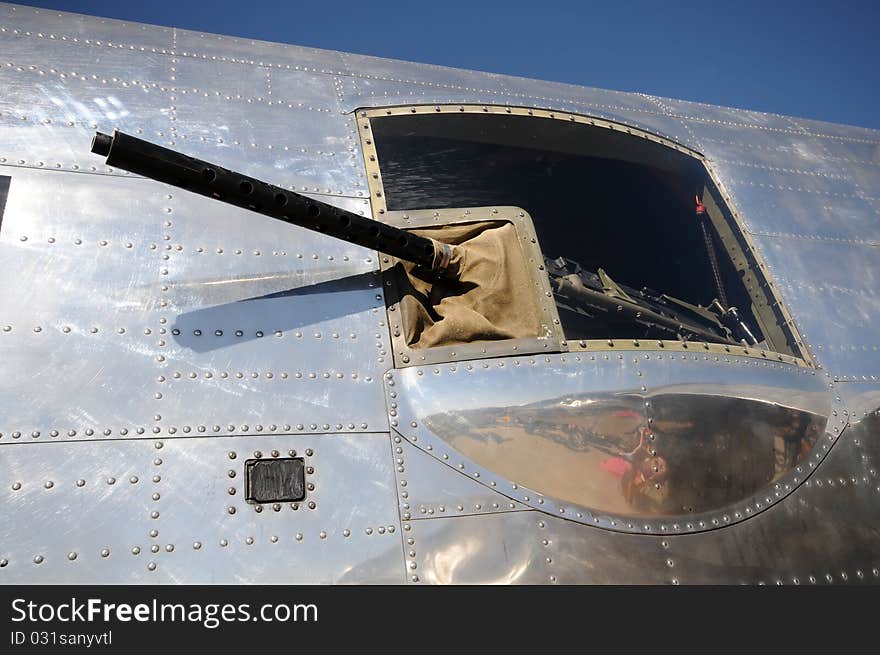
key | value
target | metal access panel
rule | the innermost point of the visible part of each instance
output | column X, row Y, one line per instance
column 275, row 480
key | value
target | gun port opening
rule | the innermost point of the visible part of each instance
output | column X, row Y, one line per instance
column 619, row 217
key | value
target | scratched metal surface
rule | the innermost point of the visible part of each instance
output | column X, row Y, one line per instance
column 131, row 312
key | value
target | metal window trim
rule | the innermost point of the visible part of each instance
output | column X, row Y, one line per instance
column 553, row 339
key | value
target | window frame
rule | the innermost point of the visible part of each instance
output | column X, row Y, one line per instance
column 553, row 339
column 770, row 309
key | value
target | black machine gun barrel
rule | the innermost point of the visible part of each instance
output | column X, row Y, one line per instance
column 171, row 167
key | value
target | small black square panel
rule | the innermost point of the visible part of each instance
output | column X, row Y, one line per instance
column 275, row 480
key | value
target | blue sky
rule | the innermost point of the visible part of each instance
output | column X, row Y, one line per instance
column 812, row 59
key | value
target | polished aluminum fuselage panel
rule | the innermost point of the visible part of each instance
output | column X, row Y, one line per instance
column 151, row 341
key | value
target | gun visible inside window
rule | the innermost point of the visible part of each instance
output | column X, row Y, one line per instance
column 598, row 296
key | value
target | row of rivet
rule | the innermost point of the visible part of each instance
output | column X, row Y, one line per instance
column 67, row 329
column 503, row 93
column 427, row 97
column 750, row 113
column 187, row 429
column 275, row 253
column 828, row 288
column 268, row 375
column 546, row 543
column 795, row 580
column 667, row 111
column 154, row 512
column 174, row 135
column 197, row 545
column 793, row 151
column 767, row 128
column 498, row 92
column 636, row 344
column 606, row 356
column 353, row 141
column 494, row 506
column 79, row 483
column 286, row 104
column 581, row 104
column 103, row 243
column 780, row 187
column 813, row 237
column 106, row 170
column 164, row 51
column 88, row 432
column 197, row 332
column 778, row 169
column 339, row 193
column 829, row 578
column 426, row 510
column 164, row 300
column 410, row 563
